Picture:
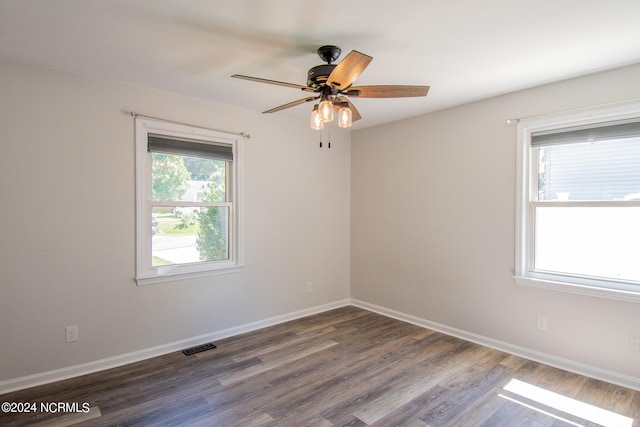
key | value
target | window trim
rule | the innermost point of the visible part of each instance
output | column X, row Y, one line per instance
column 525, row 179
column 145, row 272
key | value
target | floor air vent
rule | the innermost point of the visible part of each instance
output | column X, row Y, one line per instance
column 198, row 349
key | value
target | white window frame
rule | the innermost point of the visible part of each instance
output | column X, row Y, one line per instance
column 526, row 184
column 146, row 273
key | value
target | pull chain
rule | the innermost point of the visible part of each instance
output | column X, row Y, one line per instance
column 329, row 138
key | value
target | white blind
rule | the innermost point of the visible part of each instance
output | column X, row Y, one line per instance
column 589, row 163
column 599, row 132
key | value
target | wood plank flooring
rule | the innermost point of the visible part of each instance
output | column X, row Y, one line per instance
column 344, row 367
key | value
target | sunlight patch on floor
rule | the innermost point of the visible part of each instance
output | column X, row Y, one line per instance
column 565, row 404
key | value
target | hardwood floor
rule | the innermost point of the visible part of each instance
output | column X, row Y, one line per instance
column 344, row 367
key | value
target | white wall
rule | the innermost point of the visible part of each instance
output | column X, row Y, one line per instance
column 433, row 205
column 67, row 222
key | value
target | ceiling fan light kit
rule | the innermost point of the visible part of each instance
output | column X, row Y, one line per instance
column 333, row 82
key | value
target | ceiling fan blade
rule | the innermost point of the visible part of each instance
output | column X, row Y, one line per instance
column 292, row 104
column 387, row 91
column 348, row 70
column 355, row 114
column 273, row 82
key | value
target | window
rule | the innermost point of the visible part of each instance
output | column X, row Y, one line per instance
column 187, row 192
column 578, row 211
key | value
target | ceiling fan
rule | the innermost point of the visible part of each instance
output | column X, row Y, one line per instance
column 332, row 84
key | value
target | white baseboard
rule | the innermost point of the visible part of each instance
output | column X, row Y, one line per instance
column 547, row 359
column 20, row 383
column 136, row 356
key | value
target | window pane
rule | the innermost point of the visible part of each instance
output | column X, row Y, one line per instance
column 187, row 179
column 589, row 241
column 174, row 239
column 213, row 236
column 182, row 235
column 606, row 170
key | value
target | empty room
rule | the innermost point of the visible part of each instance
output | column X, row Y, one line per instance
column 325, row 213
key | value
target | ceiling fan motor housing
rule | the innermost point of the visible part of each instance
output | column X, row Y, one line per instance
column 318, row 75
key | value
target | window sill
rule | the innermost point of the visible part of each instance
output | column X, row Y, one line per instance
column 163, row 278
column 582, row 289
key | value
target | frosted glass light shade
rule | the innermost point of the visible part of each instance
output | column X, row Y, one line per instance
column 344, row 116
column 316, row 119
column 326, row 110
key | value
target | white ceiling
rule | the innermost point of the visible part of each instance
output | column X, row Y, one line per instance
column 464, row 49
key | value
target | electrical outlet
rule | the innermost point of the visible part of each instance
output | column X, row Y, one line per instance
column 71, row 333
column 309, row 286
column 634, row 344
column 543, row 323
